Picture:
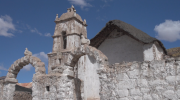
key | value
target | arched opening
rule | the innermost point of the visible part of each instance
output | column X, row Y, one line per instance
column 86, row 61
column 11, row 81
column 64, row 39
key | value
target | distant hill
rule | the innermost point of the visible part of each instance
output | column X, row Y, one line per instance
column 174, row 52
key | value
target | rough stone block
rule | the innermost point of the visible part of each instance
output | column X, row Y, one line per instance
column 169, row 94
column 147, row 97
column 137, row 98
column 133, row 74
column 123, row 99
column 145, row 90
column 135, row 92
column 155, row 97
column 122, row 76
column 127, row 84
column 142, row 83
column 122, row 93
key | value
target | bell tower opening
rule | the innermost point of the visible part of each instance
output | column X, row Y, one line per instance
column 64, row 38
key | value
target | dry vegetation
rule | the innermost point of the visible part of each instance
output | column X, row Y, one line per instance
column 174, row 52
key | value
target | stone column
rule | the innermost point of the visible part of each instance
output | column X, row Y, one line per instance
column 9, row 89
column 65, row 87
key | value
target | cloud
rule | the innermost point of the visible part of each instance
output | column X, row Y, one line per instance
column 43, row 56
column 105, row 5
column 6, row 25
column 81, row 3
column 106, row 1
column 103, row 18
column 168, row 30
column 36, row 31
column 47, row 34
column 33, row 30
column 27, row 67
column 3, row 68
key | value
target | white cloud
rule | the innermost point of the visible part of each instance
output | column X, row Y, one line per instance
column 106, row 1
column 27, row 67
column 36, row 31
column 6, row 25
column 43, row 56
column 33, row 30
column 47, row 34
column 168, row 30
column 3, row 68
column 101, row 18
column 81, row 3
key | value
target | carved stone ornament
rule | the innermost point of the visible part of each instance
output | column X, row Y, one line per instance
column 27, row 53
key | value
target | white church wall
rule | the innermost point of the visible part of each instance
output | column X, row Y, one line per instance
column 155, row 80
column 152, row 51
column 159, row 51
column 73, row 41
column 122, row 48
column 148, row 52
column 87, row 72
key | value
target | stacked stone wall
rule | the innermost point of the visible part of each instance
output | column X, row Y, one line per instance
column 52, row 87
column 19, row 95
column 1, row 89
column 155, row 80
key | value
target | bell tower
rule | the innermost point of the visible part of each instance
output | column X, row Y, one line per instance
column 69, row 30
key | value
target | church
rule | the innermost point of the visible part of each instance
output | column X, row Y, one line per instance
column 120, row 63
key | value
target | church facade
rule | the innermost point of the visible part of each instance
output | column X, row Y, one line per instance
column 80, row 70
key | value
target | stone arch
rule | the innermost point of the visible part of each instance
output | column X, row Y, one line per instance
column 75, row 54
column 89, row 91
column 20, row 63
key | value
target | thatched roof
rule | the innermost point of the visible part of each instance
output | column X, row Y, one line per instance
column 174, row 52
column 125, row 28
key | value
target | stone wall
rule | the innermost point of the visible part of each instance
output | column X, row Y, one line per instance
column 155, row 80
column 1, row 89
column 53, row 87
column 19, row 95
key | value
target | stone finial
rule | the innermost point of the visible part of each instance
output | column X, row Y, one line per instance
column 84, row 40
column 27, row 52
column 56, row 16
column 72, row 9
column 72, row 6
column 84, row 22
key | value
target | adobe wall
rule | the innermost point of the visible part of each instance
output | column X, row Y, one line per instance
column 155, row 80
column 122, row 48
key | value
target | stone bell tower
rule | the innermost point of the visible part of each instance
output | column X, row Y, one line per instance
column 69, row 30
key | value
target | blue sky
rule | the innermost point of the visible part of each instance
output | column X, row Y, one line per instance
column 30, row 23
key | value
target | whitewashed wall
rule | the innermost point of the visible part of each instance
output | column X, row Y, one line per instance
column 122, row 48
column 73, row 41
column 148, row 52
column 87, row 72
column 152, row 51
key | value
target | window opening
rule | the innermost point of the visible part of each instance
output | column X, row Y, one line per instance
column 47, row 88
column 64, row 40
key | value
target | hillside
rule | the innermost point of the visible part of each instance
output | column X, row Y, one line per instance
column 174, row 52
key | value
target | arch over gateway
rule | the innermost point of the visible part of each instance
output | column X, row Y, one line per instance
column 85, row 49
column 20, row 63
column 87, row 61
